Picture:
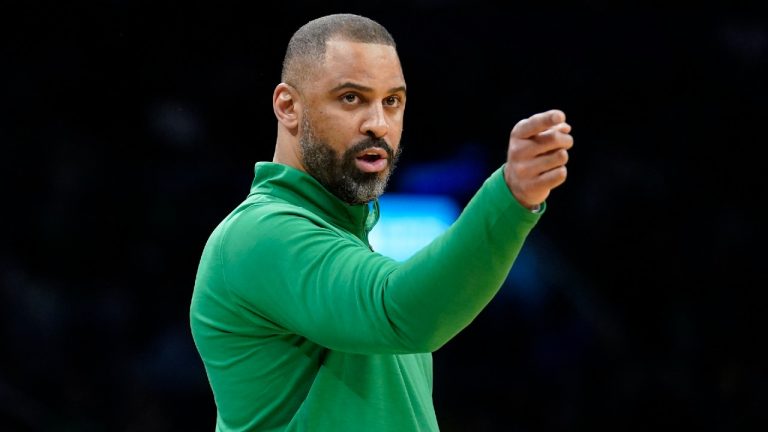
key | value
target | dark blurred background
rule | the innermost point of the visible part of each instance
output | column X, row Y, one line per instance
column 130, row 129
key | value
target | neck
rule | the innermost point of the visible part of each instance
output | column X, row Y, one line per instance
column 287, row 151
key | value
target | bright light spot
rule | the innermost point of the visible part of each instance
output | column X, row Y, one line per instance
column 410, row 222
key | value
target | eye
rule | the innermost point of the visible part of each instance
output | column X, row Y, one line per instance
column 392, row 101
column 349, row 98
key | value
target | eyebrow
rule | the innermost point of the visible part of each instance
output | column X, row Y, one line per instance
column 363, row 88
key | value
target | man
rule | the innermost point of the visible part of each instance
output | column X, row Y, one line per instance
column 300, row 325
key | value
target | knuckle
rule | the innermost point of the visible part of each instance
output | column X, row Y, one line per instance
column 518, row 126
column 516, row 147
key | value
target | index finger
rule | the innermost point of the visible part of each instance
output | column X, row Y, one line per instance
column 537, row 123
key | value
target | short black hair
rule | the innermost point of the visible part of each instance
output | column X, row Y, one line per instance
column 306, row 48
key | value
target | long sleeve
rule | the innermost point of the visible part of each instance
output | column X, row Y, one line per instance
column 292, row 272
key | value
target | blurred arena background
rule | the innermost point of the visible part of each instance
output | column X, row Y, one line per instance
column 129, row 129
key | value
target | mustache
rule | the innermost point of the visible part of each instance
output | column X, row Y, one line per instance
column 367, row 143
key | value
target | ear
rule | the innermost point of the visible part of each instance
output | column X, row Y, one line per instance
column 287, row 105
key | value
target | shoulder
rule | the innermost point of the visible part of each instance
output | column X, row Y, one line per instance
column 255, row 216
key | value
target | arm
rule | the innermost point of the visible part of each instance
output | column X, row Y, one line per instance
column 472, row 260
column 305, row 278
column 448, row 283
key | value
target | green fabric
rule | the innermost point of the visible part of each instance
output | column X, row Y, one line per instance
column 302, row 327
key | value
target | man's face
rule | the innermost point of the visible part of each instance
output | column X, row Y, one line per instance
column 353, row 120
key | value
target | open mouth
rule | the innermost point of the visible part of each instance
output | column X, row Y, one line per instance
column 370, row 157
column 371, row 160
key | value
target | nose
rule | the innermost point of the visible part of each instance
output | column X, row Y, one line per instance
column 375, row 123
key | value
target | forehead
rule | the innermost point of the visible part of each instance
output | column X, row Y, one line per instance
column 372, row 65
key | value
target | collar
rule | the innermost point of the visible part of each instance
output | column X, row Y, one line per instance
column 299, row 188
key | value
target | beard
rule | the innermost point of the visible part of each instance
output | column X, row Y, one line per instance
column 339, row 173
